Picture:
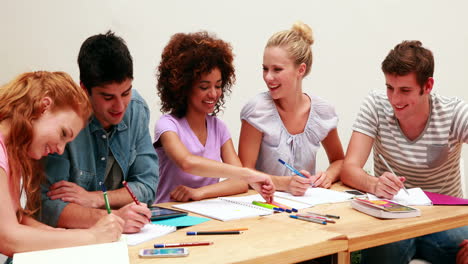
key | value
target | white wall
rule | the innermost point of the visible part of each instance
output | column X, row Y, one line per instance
column 352, row 38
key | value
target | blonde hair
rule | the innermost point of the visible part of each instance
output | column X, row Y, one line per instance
column 21, row 104
column 297, row 42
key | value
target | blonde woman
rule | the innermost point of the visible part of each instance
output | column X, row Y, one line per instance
column 288, row 123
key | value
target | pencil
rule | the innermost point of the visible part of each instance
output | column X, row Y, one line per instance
column 185, row 244
column 228, row 230
column 214, row 233
column 130, row 192
column 390, row 169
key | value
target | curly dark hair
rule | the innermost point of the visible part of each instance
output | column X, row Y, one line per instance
column 183, row 62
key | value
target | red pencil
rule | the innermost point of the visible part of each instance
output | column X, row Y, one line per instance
column 131, row 193
column 187, row 244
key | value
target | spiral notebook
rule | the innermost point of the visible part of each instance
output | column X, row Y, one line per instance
column 225, row 208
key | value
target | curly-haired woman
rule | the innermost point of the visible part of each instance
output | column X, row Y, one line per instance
column 193, row 145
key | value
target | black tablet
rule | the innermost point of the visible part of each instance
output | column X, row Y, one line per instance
column 158, row 213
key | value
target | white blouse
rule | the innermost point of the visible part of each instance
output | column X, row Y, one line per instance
column 298, row 150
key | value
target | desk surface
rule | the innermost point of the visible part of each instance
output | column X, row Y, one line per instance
column 364, row 231
column 267, row 240
column 279, row 239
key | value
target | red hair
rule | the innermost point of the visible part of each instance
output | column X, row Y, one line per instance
column 21, row 104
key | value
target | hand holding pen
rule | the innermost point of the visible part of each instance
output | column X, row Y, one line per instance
column 298, row 185
column 385, row 186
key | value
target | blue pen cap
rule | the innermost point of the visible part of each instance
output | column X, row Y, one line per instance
column 158, row 245
column 294, row 210
column 288, row 211
column 293, row 216
column 191, row 233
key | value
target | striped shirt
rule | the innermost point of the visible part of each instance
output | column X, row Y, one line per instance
column 431, row 161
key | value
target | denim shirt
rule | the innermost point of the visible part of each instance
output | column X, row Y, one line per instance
column 84, row 159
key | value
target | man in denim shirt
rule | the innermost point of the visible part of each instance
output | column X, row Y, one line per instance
column 115, row 146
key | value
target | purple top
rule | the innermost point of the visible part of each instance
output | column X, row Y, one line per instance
column 170, row 174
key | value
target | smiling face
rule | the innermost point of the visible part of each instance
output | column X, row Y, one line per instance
column 110, row 102
column 409, row 100
column 205, row 93
column 280, row 73
column 52, row 131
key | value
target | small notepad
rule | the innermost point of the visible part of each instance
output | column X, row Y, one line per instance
column 224, row 209
column 148, row 232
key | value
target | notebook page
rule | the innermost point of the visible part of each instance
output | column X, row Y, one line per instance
column 148, row 232
column 248, row 199
column 115, row 253
column 222, row 210
column 416, row 197
column 314, row 196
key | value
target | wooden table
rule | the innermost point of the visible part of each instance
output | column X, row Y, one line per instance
column 267, row 240
column 364, row 231
column 279, row 239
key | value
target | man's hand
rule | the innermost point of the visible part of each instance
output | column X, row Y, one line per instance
column 73, row 193
column 388, row 185
column 135, row 217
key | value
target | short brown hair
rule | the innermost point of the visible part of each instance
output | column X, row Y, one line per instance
column 183, row 62
column 408, row 57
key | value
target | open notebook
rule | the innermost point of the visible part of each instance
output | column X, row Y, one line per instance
column 314, row 196
column 115, row 253
column 226, row 208
column 148, row 232
column 416, row 197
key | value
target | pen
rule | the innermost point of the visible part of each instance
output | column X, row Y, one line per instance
column 284, row 206
column 291, row 168
column 313, row 220
column 106, row 200
column 130, row 192
column 214, row 233
column 390, row 169
column 264, row 205
column 186, row 244
column 325, row 215
column 328, row 220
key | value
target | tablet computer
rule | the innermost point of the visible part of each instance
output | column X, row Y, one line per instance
column 158, row 213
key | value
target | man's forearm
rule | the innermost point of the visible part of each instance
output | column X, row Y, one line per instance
column 356, row 177
column 77, row 216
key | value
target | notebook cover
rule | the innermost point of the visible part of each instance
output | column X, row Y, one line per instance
column 441, row 199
